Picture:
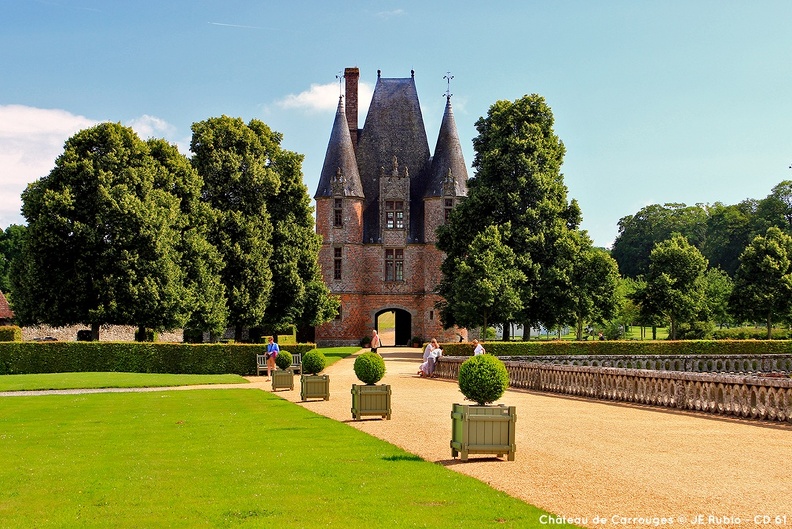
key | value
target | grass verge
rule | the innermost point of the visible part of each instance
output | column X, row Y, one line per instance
column 223, row 458
column 109, row 380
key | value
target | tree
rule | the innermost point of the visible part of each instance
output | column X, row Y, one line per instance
column 675, row 285
column 595, row 278
column 729, row 230
column 763, row 282
column 101, row 237
column 299, row 294
column 719, row 287
column 639, row 233
column 487, row 285
column 518, row 182
column 10, row 248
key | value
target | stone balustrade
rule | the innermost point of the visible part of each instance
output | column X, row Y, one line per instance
column 740, row 395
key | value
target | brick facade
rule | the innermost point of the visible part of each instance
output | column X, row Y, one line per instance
column 377, row 215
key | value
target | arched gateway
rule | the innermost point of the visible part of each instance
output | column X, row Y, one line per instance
column 394, row 327
column 381, row 197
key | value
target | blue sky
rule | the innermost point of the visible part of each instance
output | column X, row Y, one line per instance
column 656, row 101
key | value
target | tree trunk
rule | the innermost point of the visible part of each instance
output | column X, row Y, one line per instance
column 769, row 325
column 95, row 332
column 579, row 331
column 238, row 333
column 654, row 332
column 507, row 332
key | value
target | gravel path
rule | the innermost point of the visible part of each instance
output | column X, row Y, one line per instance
column 581, row 459
column 594, row 463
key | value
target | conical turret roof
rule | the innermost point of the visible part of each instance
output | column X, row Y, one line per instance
column 340, row 165
column 448, row 162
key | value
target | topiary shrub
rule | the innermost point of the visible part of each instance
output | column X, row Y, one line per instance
column 283, row 360
column 313, row 362
column 483, row 379
column 10, row 333
column 369, row 368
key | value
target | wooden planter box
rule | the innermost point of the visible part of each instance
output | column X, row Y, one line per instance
column 371, row 399
column 482, row 430
column 315, row 387
column 282, row 379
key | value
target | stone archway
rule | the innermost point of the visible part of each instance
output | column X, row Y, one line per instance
column 394, row 327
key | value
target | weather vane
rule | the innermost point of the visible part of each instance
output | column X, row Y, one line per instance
column 448, row 78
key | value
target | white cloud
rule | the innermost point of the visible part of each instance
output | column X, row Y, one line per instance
column 151, row 127
column 324, row 97
column 30, row 140
column 391, row 14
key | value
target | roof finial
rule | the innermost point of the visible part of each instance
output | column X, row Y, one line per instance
column 340, row 77
column 448, row 78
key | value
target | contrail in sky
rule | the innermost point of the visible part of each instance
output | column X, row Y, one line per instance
column 234, row 25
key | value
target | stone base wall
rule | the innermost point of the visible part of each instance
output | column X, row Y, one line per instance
column 108, row 333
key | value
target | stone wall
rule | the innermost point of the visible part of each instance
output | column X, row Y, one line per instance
column 108, row 333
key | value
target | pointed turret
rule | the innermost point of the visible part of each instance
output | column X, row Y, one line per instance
column 448, row 175
column 340, row 174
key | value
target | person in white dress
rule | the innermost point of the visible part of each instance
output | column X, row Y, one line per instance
column 430, row 356
column 478, row 349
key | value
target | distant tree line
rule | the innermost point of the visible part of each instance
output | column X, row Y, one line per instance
column 132, row 232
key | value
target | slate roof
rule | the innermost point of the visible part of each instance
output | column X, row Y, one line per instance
column 394, row 127
column 447, row 156
column 340, row 156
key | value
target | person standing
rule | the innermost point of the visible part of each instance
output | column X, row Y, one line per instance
column 478, row 349
column 272, row 353
column 375, row 341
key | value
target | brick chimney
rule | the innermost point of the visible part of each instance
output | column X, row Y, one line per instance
column 351, row 76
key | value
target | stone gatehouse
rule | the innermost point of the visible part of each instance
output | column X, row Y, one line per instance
column 380, row 198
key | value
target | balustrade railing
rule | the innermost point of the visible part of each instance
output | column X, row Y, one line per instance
column 742, row 395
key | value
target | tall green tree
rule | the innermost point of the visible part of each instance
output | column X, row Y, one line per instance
column 236, row 163
column 299, row 294
column 199, row 261
column 675, row 283
column 101, row 237
column 595, row 276
column 729, row 230
column 518, row 182
column 763, row 282
column 487, row 288
column 719, row 287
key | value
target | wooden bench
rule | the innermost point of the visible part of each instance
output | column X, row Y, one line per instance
column 261, row 364
column 296, row 366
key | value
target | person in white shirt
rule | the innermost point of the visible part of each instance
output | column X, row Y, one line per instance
column 478, row 349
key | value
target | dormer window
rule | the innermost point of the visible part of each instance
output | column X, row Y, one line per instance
column 394, row 215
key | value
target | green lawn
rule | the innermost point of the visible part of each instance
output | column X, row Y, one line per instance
column 221, row 458
column 109, row 380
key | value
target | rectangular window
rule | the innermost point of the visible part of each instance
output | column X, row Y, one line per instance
column 449, row 203
column 338, row 213
column 338, row 315
column 337, row 263
column 394, row 264
column 394, row 214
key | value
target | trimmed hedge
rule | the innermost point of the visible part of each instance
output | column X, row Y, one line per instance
column 625, row 347
column 10, row 333
column 483, row 379
column 369, row 368
column 134, row 357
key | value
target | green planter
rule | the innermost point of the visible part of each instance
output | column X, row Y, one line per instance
column 371, row 399
column 315, row 387
column 482, row 430
column 282, row 379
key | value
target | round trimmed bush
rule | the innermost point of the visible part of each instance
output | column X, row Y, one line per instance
column 313, row 362
column 369, row 368
column 483, row 379
column 283, row 360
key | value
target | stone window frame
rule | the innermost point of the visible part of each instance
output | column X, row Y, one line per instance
column 394, row 214
column 394, row 264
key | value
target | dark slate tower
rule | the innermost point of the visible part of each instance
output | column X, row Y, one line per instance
column 380, row 198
